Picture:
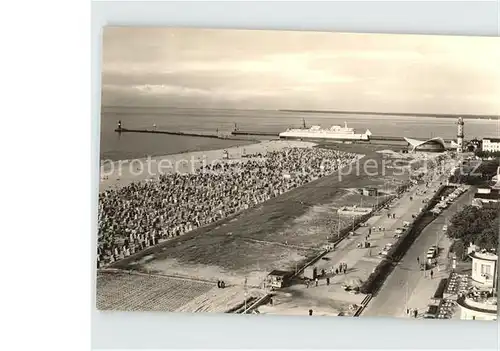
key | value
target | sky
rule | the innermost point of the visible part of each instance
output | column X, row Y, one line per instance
column 250, row 69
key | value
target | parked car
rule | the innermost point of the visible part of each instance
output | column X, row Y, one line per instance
column 431, row 253
column 384, row 252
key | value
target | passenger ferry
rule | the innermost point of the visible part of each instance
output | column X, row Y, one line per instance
column 335, row 132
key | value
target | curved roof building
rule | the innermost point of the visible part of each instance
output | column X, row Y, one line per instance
column 434, row 144
column 478, row 309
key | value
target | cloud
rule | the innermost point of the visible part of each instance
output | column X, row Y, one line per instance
column 318, row 70
column 216, row 93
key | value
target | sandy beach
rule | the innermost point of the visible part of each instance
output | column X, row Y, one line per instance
column 121, row 173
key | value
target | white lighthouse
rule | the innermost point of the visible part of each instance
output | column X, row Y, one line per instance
column 460, row 135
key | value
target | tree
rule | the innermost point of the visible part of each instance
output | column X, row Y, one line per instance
column 459, row 249
column 476, row 225
column 488, row 239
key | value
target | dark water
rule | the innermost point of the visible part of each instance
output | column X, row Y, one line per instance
column 132, row 145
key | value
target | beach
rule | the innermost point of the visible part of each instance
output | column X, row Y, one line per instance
column 120, row 173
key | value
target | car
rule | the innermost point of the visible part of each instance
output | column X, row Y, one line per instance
column 383, row 253
column 431, row 253
column 445, row 228
column 399, row 231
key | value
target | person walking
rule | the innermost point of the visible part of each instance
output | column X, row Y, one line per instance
column 328, row 281
column 317, row 281
column 418, row 260
column 432, row 273
column 415, row 313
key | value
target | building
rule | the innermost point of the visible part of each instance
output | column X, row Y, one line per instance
column 278, row 279
column 484, row 269
column 486, row 197
column 479, row 302
column 478, row 308
column 491, row 145
column 430, row 145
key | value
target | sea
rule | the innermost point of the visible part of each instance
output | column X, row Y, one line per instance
column 125, row 146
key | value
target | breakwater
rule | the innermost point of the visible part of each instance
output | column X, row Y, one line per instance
column 216, row 135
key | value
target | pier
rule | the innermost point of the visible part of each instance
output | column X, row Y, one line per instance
column 227, row 136
column 255, row 133
column 170, row 132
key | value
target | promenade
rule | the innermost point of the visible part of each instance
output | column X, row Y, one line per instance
column 333, row 299
column 407, row 286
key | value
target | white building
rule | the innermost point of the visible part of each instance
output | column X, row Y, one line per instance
column 484, row 268
column 491, row 144
column 481, row 303
column 478, row 309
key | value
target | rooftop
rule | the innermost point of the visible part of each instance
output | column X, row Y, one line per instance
column 488, row 196
column 493, row 140
column 487, row 256
column 279, row 273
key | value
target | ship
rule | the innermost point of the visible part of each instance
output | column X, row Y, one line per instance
column 334, row 133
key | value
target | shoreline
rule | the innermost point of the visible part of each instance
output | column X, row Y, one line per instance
column 238, row 142
column 116, row 174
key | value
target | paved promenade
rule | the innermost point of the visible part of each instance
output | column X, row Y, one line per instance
column 357, row 258
column 407, row 286
column 332, row 299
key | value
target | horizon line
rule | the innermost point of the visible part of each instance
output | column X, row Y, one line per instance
column 374, row 113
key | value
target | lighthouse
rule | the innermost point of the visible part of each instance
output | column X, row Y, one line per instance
column 460, row 135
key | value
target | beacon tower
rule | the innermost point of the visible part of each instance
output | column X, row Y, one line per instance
column 460, row 135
